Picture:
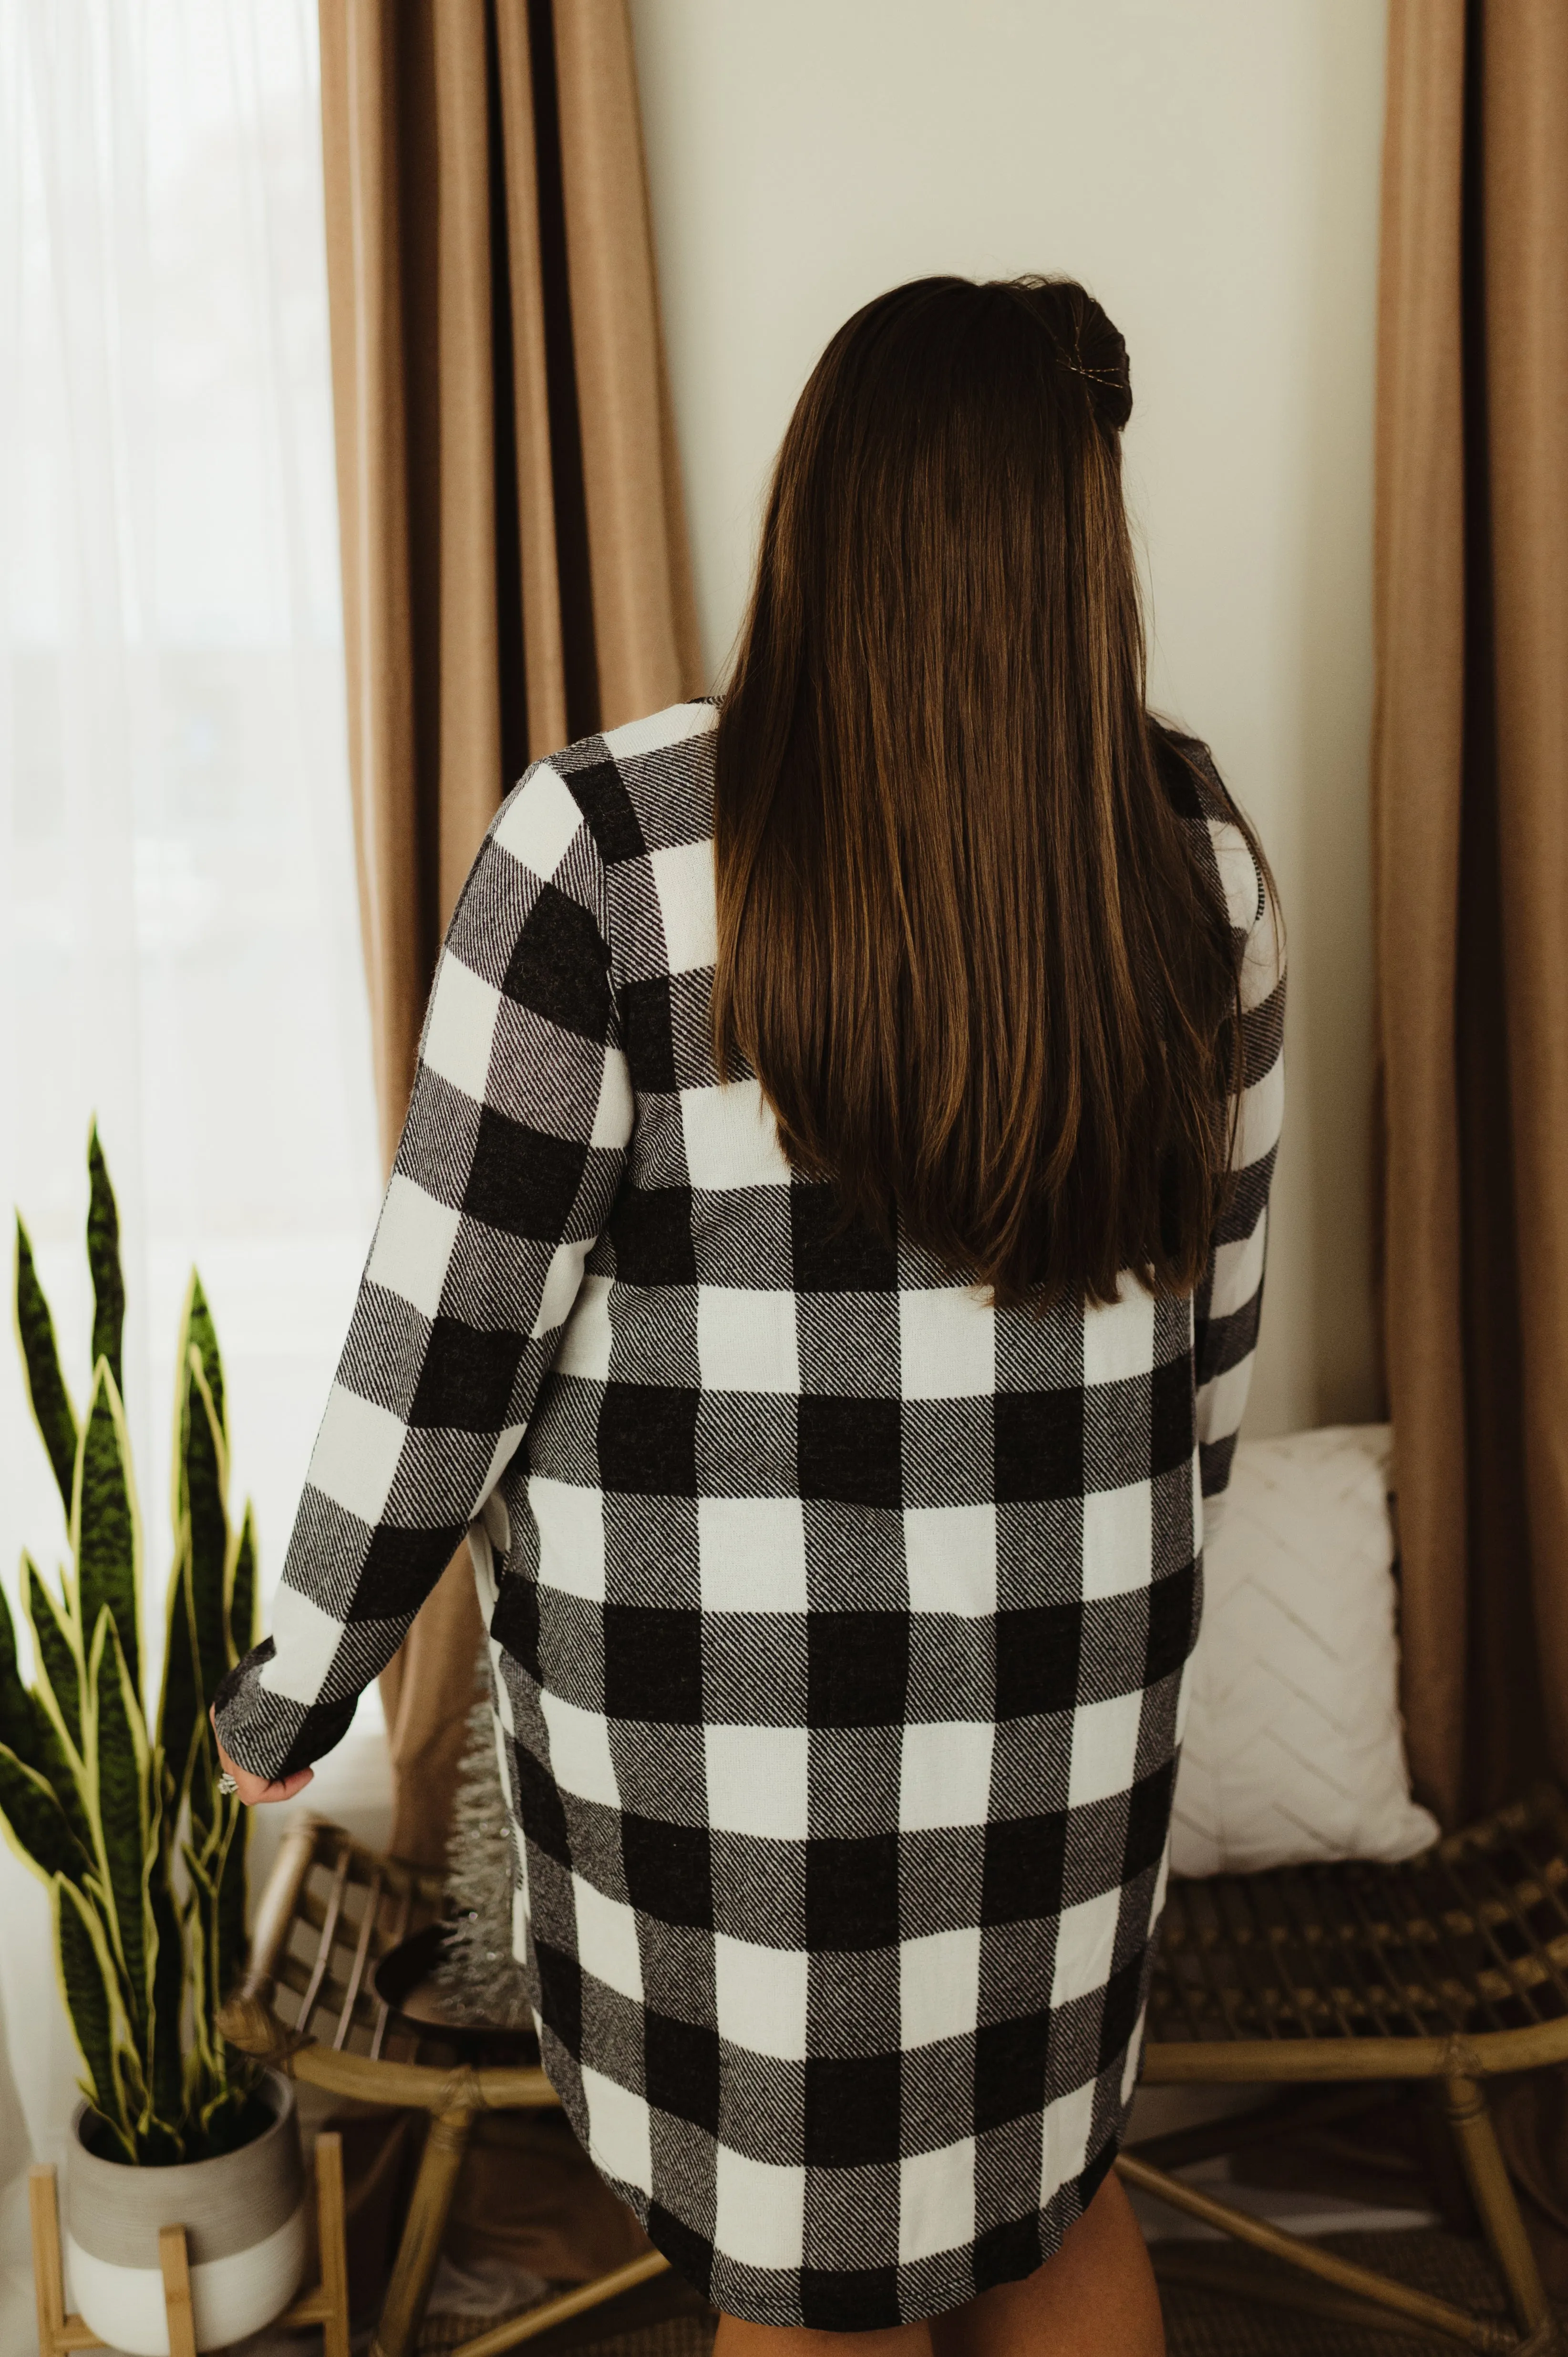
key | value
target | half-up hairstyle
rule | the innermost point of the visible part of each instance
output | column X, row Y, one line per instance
column 966, row 942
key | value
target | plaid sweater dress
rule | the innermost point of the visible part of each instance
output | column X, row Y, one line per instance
column 838, row 1621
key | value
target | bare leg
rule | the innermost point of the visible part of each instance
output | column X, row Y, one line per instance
column 1096, row 2297
column 738, row 2339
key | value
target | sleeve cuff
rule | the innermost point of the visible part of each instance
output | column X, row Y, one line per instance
column 266, row 1734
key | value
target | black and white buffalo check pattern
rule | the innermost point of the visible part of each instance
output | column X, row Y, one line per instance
column 838, row 1621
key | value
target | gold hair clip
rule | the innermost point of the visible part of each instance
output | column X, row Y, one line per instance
column 1096, row 376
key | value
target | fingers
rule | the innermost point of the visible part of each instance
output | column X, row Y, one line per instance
column 255, row 1790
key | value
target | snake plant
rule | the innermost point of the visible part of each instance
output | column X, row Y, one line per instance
column 121, row 1813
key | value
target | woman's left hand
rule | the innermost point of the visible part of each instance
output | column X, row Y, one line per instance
column 254, row 1789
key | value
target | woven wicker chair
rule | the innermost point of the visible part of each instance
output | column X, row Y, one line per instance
column 1452, row 1968
column 330, row 1910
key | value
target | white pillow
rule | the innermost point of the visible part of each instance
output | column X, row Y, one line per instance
column 1292, row 1748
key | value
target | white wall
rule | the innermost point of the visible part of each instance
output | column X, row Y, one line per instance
column 1210, row 169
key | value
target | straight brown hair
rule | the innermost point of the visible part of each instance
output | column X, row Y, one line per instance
column 965, row 942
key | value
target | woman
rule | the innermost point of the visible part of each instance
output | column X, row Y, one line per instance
column 821, row 1271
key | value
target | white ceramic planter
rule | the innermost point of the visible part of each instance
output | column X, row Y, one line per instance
column 243, row 2216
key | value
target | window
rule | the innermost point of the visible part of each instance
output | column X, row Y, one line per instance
column 178, row 930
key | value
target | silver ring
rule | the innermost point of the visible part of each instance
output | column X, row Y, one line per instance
column 226, row 1782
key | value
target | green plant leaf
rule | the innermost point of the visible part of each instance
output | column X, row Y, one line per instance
column 229, row 2120
column 16, row 1710
column 63, row 1772
column 133, row 2081
column 180, row 1710
column 38, row 1826
column 229, row 1907
column 119, row 1778
column 179, row 1718
column 158, row 2144
column 30, row 1733
column 205, row 1477
column 201, row 1948
column 47, row 1394
column 243, row 1590
column 105, row 1530
column 201, row 1332
column 166, row 2070
column 89, row 1984
column 103, row 1262
column 58, row 1687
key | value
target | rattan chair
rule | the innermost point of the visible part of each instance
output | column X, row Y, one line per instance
column 1452, row 1968
column 330, row 1910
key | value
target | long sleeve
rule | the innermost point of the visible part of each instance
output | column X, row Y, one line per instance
column 1229, row 1299
column 509, row 1159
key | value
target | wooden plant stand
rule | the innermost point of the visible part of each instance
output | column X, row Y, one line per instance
column 327, row 2306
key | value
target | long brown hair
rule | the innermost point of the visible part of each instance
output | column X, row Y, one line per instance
column 965, row 941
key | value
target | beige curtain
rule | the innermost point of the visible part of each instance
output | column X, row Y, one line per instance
column 515, row 566
column 1471, row 841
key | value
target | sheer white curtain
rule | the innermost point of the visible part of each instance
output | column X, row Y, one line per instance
column 178, row 941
